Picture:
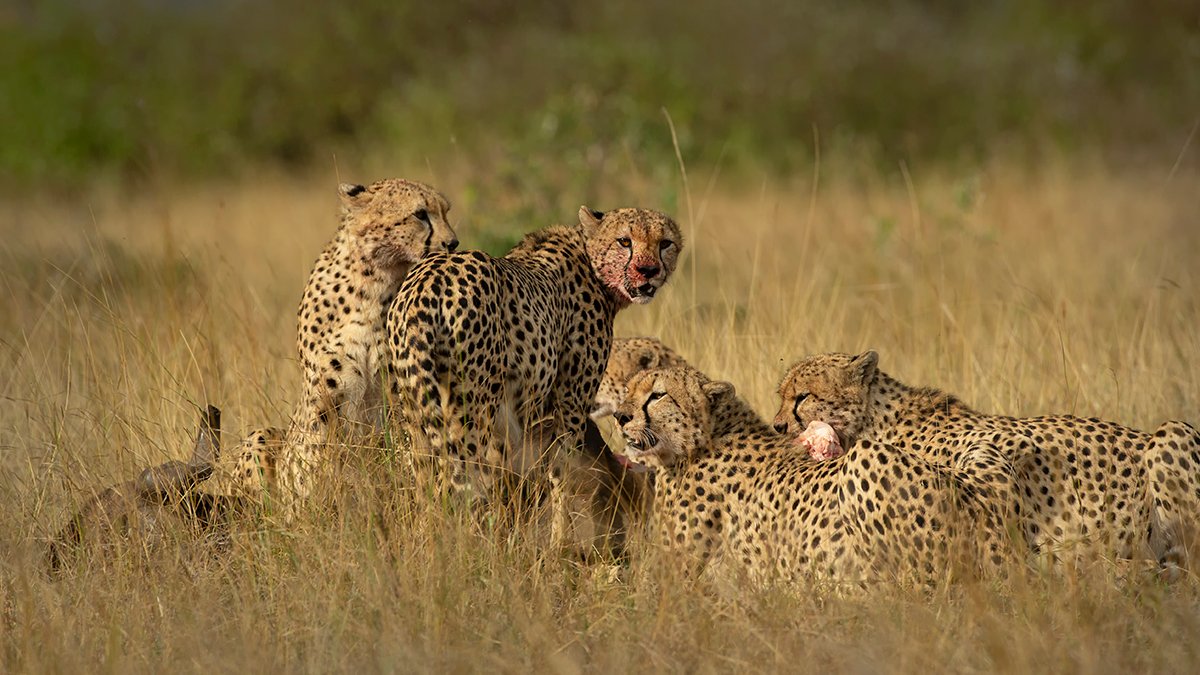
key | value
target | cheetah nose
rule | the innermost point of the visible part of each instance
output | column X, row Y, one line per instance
column 781, row 427
column 648, row 271
column 452, row 245
column 623, row 418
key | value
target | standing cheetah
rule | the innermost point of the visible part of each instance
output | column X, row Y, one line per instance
column 498, row 359
column 386, row 227
column 730, row 492
column 1078, row 480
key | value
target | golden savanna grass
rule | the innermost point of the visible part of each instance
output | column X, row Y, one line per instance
column 1066, row 288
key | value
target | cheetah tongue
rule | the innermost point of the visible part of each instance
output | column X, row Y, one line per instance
column 630, row 465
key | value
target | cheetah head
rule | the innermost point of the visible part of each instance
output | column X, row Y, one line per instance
column 393, row 223
column 666, row 417
column 629, row 357
column 632, row 250
column 832, row 388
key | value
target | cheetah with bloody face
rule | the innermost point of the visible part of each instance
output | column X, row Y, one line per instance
column 386, row 227
column 498, row 360
column 731, row 492
column 1079, row 481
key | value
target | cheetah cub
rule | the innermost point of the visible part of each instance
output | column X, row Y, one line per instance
column 1078, row 481
column 729, row 493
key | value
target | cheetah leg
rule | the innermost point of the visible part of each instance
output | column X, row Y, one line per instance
column 987, row 480
column 1173, row 469
column 566, row 480
column 254, row 465
column 302, row 464
column 453, row 452
column 481, row 450
column 582, row 491
column 296, row 468
column 582, row 514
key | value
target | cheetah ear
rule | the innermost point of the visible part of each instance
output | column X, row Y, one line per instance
column 715, row 390
column 864, row 366
column 351, row 194
column 590, row 218
column 647, row 360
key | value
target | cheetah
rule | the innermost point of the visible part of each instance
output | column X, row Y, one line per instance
column 385, row 228
column 731, row 494
column 630, row 356
column 255, row 471
column 498, row 360
column 1080, row 483
column 630, row 484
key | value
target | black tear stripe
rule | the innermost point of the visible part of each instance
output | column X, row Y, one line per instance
column 646, row 411
column 796, row 413
column 428, row 238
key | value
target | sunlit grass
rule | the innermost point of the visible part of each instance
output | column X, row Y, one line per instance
column 1072, row 289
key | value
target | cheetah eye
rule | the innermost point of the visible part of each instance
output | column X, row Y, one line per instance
column 624, row 242
column 801, row 397
column 422, row 215
column 654, row 396
column 665, row 244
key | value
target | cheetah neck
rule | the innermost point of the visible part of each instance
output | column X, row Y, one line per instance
column 671, row 483
column 897, row 408
column 558, row 252
column 668, row 492
column 372, row 288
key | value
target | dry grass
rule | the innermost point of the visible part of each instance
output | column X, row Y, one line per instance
column 1072, row 290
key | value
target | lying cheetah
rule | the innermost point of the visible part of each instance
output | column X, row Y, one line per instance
column 631, row 484
column 497, row 359
column 629, row 357
column 1078, row 480
column 730, row 492
column 386, row 227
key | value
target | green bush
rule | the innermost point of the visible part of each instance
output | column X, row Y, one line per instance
column 131, row 88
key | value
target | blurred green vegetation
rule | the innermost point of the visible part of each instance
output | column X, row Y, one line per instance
column 193, row 87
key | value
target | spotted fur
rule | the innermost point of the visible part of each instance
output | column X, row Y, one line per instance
column 1081, row 483
column 499, row 359
column 730, row 492
column 386, row 227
